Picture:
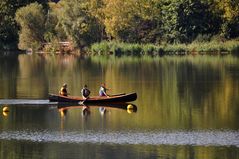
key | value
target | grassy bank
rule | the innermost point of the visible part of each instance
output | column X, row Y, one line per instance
column 119, row 48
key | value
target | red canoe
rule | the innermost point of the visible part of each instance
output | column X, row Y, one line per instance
column 94, row 99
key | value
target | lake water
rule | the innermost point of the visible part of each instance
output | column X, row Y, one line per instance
column 187, row 108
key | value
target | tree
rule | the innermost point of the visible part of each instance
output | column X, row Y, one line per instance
column 229, row 10
column 184, row 20
column 95, row 8
column 196, row 18
column 32, row 22
column 8, row 27
column 77, row 22
column 132, row 20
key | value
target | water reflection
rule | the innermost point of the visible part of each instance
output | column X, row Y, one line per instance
column 103, row 108
column 9, row 71
column 5, row 110
column 90, row 114
column 63, row 112
column 185, row 92
column 85, row 111
column 187, row 104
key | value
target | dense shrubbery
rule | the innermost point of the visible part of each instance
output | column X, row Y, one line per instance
column 32, row 21
column 152, row 23
column 8, row 27
column 119, row 48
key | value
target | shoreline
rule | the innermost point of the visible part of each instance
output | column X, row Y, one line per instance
column 114, row 48
column 204, row 48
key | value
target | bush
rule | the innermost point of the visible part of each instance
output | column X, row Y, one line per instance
column 100, row 48
column 32, row 22
column 119, row 48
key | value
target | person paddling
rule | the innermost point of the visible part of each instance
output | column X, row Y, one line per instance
column 85, row 92
column 63, row 91
column 102, row 91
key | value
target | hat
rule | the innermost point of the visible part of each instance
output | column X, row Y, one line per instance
column 64, row 85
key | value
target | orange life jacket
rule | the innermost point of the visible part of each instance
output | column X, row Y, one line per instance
column 63, row 91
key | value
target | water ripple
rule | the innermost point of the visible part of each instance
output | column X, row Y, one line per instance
column 25, row 101
column 197, row 138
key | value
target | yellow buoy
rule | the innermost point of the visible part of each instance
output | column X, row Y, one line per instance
column 5, row 109
column 130, row 111
column 130, row 106
column 5, row 113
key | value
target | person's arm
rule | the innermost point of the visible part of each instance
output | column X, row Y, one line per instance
column 105, row 92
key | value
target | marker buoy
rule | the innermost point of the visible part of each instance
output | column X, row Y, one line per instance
column 130, row 111
column 130, row 106
column 5, row 113
column 5, row 109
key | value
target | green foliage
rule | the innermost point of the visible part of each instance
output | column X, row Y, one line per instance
column 229, row 13
column 120, row 48
column 170, row 21
column 50, row 24
column 101, row 48
column 32, row 22
column 176, row 49
column 77, row 23
column 132, row 21
column 156, row 22
column 8, row 27
column 184, row 20
column 8, row 33
column 214, row 47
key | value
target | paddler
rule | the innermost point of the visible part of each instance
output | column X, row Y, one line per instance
column 63, row 91
column 102, row 91
column 85, row 92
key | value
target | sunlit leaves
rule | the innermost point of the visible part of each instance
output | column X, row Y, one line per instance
column 78, row 24
column 8, row 27
column 229, row 10
column 185, row 20
column 7, row 24
column 32, row 21
column 132, row 20
column 84, row 22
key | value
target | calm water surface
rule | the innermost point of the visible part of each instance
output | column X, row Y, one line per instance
column 187, row 107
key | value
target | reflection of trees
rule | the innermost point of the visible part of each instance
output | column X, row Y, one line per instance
column 8, row 75
column 9, row 149
column 197, row 82
column 211, row 90
column 76, row 72
column 173, row 92
column 32, row 80
column 177, row 92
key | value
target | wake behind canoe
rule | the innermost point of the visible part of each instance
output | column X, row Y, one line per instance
column 96, row 99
